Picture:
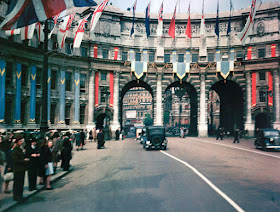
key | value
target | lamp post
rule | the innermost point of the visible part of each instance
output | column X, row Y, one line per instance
column 268, row 94
column 44, row 114
column 211, row 118
column 106, row 93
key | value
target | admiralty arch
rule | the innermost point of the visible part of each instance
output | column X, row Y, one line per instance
column 245, row 77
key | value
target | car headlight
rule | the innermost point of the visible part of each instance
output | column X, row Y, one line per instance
column 148, row 142
column 271, row 139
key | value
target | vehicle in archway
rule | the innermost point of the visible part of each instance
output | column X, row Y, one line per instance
column 268, row 139
column 155, row 138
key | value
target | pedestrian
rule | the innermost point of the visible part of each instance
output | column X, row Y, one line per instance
column 236, row 136
column 220, row 133
column 181, row 132
column 78, row 140
column 33, row 153
column 100, row 139
column 94, row 135
column 117, row 134
column 83, row 137
column 90, row 136
column 9, row 165
column 55, row 149
column 48, row 163
column 20, row 166
column 66, row 154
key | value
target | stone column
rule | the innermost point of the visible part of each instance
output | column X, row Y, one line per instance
column 32, row 120
column 17, row 121
column 202, row 125
column 62, row 80
column 159, row 112
column 116, row 123
column 249, row 125
column 276, row 98
column 77, row 98
column 91, row 123
column 2, row 90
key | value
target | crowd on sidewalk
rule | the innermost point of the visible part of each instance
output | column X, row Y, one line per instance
column 39, row 155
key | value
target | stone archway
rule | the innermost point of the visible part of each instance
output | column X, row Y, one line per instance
column 127, row 87
column 193, row 112
column 231, row 104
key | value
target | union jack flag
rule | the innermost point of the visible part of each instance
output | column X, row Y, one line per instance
column 160, row 12
column 80, row 32
column 22, row 13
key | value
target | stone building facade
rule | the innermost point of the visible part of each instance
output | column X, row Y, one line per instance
column 79, row 78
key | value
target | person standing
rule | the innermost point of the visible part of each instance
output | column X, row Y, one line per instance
column 236, row 136
column 220, row 133
column 33, row 153
column 100, row 139
column 90, row 136
column 66, row 154
column 20, row 166
column 48, row 163
column 117, row 134
column 78, row 140
column 83, row 137
column 55, row 149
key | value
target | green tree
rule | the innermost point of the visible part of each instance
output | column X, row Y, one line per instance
column 148, row 121
column 166, row 117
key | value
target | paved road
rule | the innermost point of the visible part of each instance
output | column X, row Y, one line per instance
column 195, row 175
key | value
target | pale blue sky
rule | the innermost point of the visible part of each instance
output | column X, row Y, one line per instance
column 196, row 5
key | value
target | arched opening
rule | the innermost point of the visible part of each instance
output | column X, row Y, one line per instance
column 136, row 104
column 231, row 105
column 100, row 121
column 180, row 107
column 261, row 121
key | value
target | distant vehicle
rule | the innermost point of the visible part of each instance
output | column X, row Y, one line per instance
column 268, row 139
column 155, row 138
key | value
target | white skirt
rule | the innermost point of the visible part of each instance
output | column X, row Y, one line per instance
column 49, row 170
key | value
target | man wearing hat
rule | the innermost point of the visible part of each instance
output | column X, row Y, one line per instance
column 20, row 166
column 33, row 153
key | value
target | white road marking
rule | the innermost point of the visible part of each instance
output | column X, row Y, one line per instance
column 229, row 200
column 248, row 150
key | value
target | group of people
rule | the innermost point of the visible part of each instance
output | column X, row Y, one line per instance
column 39, row 156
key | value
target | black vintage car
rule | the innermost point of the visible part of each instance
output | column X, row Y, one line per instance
column 155, row 138
column 267, row 139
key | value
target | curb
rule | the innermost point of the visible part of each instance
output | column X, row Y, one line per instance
column 56, row 177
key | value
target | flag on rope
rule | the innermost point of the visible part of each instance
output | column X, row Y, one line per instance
column 229, row 21
column 171, row 30
column 217, row 29
column 23, row 13
column 40, row 32
column 189, row 26
column 202, row 23
column 134, row 8
column 249, row 24
column 27, row 32
column 55, row 19
column 80, row 32
column 160, row 21
column 63, row 29
column 147, row 20
column 12, row 32
column 97, row 13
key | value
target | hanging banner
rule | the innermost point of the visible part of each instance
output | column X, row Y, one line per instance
column 49, row 95
column 111, row 88
column 2, row 90
column 96, row 88
column 181, row 68
column 270, row 89
column 254, row 89
column 77, row 99
column 116, row 53
column 139, row 67
column 273, row 50
column 249, row 53
column 95, row 54
column 62, row 97
column 32, row 94
column 225, row 67
column 18, row 94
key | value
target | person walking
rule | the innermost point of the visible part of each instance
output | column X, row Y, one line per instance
column 55, row 149
column 220, row 133
column 48, row 163
column 100, row 139
column 66, row 153
column 236, row 136
column 78, row 140
column 90, row 136
column 33, row 153
column 20, row 166
column 117, row 134
column 83, row 137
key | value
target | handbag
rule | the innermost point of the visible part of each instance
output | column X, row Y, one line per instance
column 8, row 176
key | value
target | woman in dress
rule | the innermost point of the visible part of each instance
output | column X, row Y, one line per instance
column 48, row 163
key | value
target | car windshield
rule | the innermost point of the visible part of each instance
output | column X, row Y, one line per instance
column 271, row 133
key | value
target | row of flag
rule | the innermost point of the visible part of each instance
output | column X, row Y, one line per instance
column 242, row 36
column 23, row 16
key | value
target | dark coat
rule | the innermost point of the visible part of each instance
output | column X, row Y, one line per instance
column 34, row 161
column 18, row 158
column 9, row 162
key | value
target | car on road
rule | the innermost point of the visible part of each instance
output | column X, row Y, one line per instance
column 267, row 139
column 155, row 138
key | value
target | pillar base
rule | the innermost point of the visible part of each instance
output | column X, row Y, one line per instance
column 251, row 129
column 203, row 130
column 276, row 125
column 32, row 125
column 17, row 125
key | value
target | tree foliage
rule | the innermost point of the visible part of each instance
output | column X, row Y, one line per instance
column 148, row 121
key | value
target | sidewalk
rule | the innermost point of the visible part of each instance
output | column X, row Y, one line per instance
column 6, row 200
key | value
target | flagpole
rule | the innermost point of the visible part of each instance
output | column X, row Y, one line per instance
column 44, row 114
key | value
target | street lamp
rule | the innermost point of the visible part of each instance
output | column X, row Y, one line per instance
column 44, row 115
column 268, row 94
column 211, row 118
column 106, row 93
